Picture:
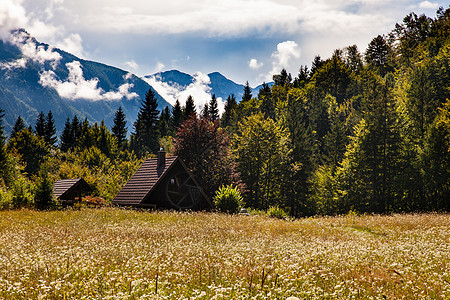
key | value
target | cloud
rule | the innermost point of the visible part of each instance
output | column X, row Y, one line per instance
column 71, row 44
column 428, row 5
column 254, row 64
column 37, row 21
column 12, row 16
column 282, row 57
column 199, row 89
column 231, row 18
column 30, row 51
column 77, row 87
column 15, row 64
column 132, row 65
column 159, row 67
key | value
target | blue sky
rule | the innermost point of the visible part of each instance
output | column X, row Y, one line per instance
column 245, row 40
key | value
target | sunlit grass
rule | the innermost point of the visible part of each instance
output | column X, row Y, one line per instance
column 125, row 254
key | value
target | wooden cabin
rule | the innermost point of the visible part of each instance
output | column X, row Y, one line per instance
column 163, row 183
column 69, row 191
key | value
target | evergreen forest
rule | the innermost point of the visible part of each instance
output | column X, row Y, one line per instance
column 364, row 130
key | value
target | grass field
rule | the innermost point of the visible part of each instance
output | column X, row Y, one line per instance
column 124, row 254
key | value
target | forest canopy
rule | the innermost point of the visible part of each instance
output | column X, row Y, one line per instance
column 365, row 130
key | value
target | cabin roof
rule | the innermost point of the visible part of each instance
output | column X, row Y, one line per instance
column 63, row 186
column 144, row 181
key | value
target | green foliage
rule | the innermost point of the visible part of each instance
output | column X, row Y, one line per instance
column 22, row 192
column 19, row 125
column 229, row 113
column 213, row 110
column 43, row 197
column 324, row 192
column 119, row 128
column 228, row 199
column 31, row 148
column 6, row 199
column 276, row 212
column 144, row 139
column 189, row 108
column 261, row 149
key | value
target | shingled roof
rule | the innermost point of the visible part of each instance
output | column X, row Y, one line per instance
column 65, row 188
column 152, row 173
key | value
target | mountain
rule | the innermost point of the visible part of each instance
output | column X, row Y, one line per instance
column 218, row 84
column 36, row 77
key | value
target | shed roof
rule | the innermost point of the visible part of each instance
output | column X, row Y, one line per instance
column 143, row 181
column 64, row 186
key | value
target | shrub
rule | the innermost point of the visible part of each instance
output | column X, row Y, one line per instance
column 43, row 198
column 228, row 199
column 22, row 192
column 6, row 199
column 276, row 212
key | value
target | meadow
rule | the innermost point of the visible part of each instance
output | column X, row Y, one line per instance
column 113, row 253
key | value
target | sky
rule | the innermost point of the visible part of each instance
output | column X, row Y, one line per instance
column 245, row 40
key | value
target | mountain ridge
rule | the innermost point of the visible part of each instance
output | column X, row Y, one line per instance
column 36, row 77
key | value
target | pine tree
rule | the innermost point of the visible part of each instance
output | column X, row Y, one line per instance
column 19, row 125
column 353, row 58
column 163, row 123
column 302, row 78
column 283, row 78
column 43, row 198
column 189, row 108
column 247, row 93
column 377, row 55
column 66, row 136
column 3, row 154
column 2, row 129
column 119, row 128
column 264, row 91
column 177, row 116
column 145, row 135
column 230, row 106
column 213, row 110
column 205, row 112
column 371, row 172
column 75, row 132
column 316, row 65
column 40, row 125
column 50, row 130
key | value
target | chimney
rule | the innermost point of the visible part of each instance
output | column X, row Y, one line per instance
column 161, row 158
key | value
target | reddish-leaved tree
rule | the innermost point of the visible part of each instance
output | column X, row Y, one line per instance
column 205, row 149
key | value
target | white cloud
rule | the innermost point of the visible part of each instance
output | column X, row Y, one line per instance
column 15, row 64
column 12, row 16
column 229, row 18
column 159, row 67
column 30, row 51
column 254, row 64
column 428, row 5
column 77, row 87
column 132, row 65
column 71, row 44
column 199, row 89
column 286, row 51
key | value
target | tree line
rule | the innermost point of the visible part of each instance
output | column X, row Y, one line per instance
column 366, row 132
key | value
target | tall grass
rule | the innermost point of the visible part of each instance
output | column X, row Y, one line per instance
column 125, row 254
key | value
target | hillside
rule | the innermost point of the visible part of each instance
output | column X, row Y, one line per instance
column 117, row 254
column 35, row 77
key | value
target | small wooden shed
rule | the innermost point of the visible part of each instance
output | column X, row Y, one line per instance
column 69, row 191
column 163, row 183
